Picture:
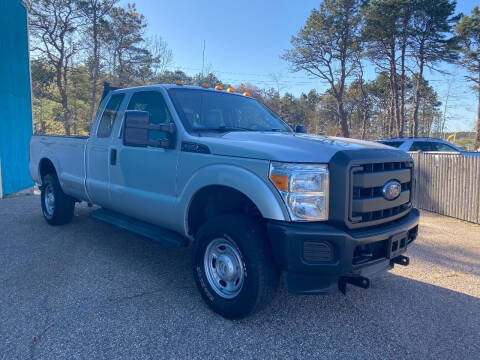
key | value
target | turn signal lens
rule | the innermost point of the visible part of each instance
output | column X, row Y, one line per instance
column 230, row 90
column 246, row 93
column 218, row 87
column 179, row 82
column 280, row 181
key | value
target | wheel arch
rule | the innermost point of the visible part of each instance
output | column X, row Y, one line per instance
column 46, row 166
column 233, row 186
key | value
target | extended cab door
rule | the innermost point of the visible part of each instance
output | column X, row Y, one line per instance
column 142, row 182
column 99, row 151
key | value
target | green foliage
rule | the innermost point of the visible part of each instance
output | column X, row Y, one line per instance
column 468, row 32
column 326, row 48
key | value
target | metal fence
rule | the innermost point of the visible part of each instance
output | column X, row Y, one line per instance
column 448, row 184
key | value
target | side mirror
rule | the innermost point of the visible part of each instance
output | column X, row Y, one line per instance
column 136, row 128
column 301, row 129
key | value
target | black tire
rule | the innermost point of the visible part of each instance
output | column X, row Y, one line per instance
column 63, row 205
column 260, row 275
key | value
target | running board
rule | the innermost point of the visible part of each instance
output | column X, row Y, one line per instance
column 160, row 235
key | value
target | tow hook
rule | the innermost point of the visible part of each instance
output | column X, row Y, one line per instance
column 359, row 281
column 400, row 260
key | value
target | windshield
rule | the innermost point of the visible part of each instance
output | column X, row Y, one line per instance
column 202, row 110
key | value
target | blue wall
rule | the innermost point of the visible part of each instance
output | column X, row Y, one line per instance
column 15, row 100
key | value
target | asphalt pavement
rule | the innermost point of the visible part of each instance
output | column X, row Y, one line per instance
column 87, row 290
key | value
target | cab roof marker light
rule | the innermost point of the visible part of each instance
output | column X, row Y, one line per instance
column 218, row 87
column 204, row 85
column 231, row 90
column 179, row 82
column 246, row 93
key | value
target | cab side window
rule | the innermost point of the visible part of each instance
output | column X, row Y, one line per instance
column 422, row 146
column 445, row 147
column 154, row 103
column 109, row 114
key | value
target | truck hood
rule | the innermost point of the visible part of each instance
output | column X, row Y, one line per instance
column 288, row 147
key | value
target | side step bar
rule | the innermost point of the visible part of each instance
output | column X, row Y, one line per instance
column 162, row 236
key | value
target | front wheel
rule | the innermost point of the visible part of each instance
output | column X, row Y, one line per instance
column 233, row 267
column 57, row 206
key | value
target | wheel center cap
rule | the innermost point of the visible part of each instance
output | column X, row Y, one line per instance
column 225, row 267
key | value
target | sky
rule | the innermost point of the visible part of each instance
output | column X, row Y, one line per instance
column 244, row 41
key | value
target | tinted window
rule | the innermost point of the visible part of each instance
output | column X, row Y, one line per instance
column 392, row 143
column 423, row 146
column 108, row 117
column 207, row 110
column 444, row 147
column 153, row 102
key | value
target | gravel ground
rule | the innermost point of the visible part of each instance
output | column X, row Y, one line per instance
column 87, row 290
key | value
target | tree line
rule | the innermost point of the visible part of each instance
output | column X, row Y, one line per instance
column 401, row 39
column 78, row 44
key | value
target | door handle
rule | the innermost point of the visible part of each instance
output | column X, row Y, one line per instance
column 113, row 156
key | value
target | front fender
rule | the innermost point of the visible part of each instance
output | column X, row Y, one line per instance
column 263, row 195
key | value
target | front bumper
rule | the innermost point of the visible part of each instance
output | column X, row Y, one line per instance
column 315, row 256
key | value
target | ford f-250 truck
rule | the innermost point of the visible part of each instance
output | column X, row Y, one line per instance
column 221, row 172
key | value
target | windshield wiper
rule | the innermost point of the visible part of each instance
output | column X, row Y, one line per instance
column 223, row 129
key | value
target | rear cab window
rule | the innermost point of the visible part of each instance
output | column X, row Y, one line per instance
column 109, row 114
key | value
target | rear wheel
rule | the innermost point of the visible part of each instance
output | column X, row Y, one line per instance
column 57, row 206
column 233, row 267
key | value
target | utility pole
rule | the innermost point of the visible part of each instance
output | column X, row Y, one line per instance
column 203, row 58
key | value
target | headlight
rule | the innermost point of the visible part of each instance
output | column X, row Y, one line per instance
column 304, row 189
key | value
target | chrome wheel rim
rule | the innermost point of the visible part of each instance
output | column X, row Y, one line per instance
column 224, row 268
column 49, row 200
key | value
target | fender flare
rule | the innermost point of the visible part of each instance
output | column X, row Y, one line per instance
column 265, row 197
column 48, row 156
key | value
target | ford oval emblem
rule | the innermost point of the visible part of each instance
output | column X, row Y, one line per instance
column 391, row 190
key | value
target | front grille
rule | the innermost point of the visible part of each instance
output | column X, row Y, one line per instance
column 367, row 204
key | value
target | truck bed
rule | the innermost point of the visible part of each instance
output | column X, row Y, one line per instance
column 67, row 154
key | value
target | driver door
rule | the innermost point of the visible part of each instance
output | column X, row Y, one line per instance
column 142, row 182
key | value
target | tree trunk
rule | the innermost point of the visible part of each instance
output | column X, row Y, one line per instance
column 391, row 114
column 402, row 94
column 364, row 125
column 477, row 136
column 394, row 89
column 364, row 108
column 95, row 65
column 342, row 117
column 417, row 95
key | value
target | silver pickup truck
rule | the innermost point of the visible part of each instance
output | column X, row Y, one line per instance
column 221, row 172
